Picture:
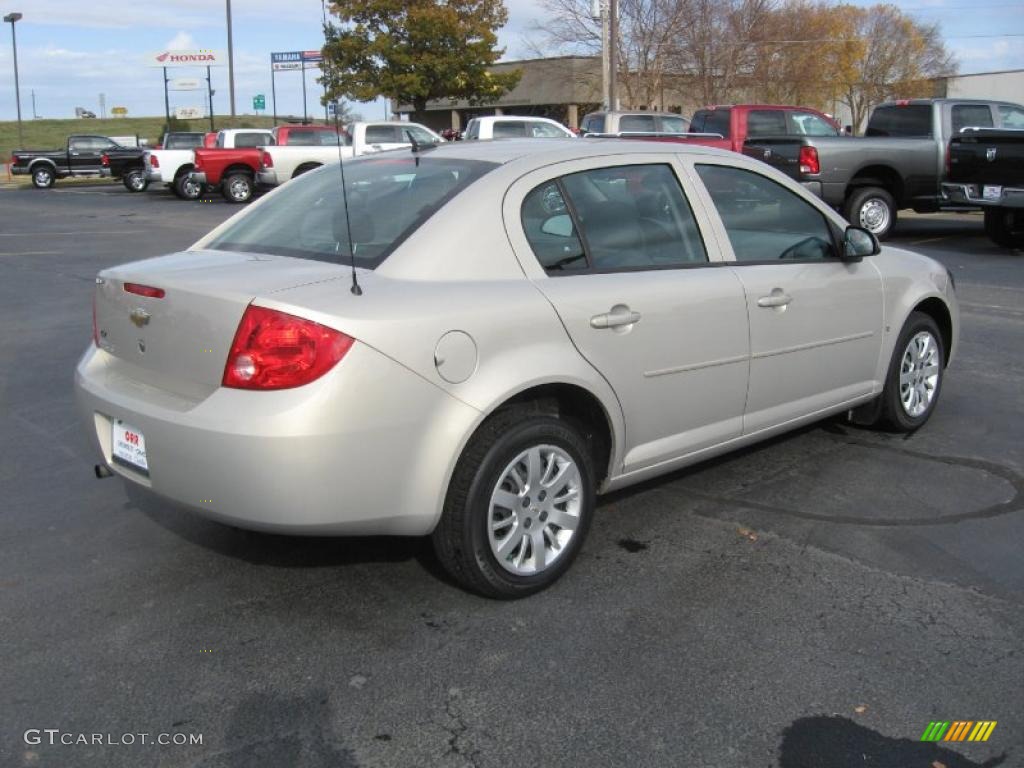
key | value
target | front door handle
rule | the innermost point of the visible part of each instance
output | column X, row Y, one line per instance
column 777, row 298
column 619, row 316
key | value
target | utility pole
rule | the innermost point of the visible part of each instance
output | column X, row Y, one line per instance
column 35, row 115
column 231, row 62
column 12, row 18
column 613, row 54
column 599, row 11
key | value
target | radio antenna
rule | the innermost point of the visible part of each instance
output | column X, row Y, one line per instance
column 356, row 290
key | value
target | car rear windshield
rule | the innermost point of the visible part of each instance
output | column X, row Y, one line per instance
column 388, row 199
column 314, row 139
column 910, row 120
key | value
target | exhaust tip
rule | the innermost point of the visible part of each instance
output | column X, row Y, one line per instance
column 102, row 471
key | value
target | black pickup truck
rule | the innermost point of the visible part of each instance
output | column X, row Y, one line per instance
column 900, row 162
column 986, row 169
column 126, row 164
column 83, row 156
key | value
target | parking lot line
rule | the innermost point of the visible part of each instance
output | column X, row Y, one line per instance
column 74, row 234
column 31, row 253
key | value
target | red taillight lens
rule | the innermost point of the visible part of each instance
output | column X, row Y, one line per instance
column 144, row 290
column 199, row 163
column 275, row 350
column 266, row 160
column 105, row 160
column 154, row 161
column 809, row 160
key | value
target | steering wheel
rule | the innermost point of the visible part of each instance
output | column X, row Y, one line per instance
column 792, row 251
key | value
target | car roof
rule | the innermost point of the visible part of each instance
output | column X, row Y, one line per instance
column 504, row 151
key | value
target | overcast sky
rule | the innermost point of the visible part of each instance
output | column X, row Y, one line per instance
column 71, row 51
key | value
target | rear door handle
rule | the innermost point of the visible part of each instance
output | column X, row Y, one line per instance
column 777, row 298
column 619, row 316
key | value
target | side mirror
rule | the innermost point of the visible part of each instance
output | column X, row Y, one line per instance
column 858, row 243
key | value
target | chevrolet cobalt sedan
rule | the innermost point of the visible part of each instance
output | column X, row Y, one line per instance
column 475, row 340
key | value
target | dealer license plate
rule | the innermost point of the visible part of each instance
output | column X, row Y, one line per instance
column 128, row 447
column 991, row 192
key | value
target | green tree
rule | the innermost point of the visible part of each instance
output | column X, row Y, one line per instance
column 415, row 51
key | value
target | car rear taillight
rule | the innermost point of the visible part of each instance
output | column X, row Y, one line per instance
column 266, row 160
column 144, row 290
column 105, row 160
column 154, row 161
column 199, row 162
column 808, row 160
column 275, row 350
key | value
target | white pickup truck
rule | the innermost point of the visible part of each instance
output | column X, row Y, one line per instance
column 279, row 164
column 172, row 165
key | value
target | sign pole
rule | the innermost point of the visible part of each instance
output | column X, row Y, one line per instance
column 305, row 116
column 273, row 92
column 167, row 101
column 209, row 90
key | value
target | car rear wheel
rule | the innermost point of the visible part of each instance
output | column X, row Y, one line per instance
column 43, row 177
column 238, row 188
column 873, row 209
column 187, row 189
column 519, row 505
column 1005, row 227
column 135, row 181
column 915, row 375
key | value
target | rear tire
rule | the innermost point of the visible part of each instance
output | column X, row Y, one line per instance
column 873, row 209
column 187, row 189
column 135, row 181
column 238, row 188
column 501, row 534
column 304, row 168
column 43, row 177
column 914, row 380
column 1005, row 227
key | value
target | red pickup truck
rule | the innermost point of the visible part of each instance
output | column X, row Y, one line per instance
column 233, row 163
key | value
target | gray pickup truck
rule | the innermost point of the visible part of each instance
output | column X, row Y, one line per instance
column 900, row 162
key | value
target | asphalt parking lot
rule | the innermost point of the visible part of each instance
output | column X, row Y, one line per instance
column 812, row 602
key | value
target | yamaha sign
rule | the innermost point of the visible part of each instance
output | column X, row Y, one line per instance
column 200, row 58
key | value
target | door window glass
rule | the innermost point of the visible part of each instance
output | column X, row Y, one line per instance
column 904, row 120
column 644, row 123
column 249, row 140
column 1012, row 117
column 551, row 231
column 421, row 136
column 546, row 131
column 971, row 116
column 764, row 220
column 717, row 121
column 673, row 125
column 593, row 124
column 381, row 134
column 509, row 129
column 810, row 124
column 766, row 122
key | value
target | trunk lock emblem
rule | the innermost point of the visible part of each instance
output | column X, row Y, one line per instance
column 990, row 154
column 139, row 317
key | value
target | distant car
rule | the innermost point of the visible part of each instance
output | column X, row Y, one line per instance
column 536, row 323
column 513, row 127
column 634, row 122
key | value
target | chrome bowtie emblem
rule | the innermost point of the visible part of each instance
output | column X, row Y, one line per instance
column 139, row 317
column 767, row 154
column 990, row 154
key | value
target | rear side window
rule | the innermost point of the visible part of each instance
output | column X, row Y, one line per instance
column 415, row 132
column 313, row 139
column 593, row 124
column 388, row 199
column 905, row 121
column 971, row 116
column 765, row 221
column 509, row 129
column 643, row 123
column 382, row 134
column 697, row 124
column 717, row 121
column 546, row 131
column 673, row 125
column 253, row 140
column 766, row 122
column 810, row 124
column 1011, row 116
column 184, row 141
column 630, row 217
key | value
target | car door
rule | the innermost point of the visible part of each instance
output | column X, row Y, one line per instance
column 815, row 321
column 383, row 137
column 619, row 251
column 85, row 153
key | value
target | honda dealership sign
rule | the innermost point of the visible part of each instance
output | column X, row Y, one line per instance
column 201, row 58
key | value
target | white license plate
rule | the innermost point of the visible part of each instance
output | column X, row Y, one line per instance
column 991, row 192
column 128, row 447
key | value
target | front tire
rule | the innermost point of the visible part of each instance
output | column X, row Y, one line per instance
column 43, row 177
column 135, row 181
column 1005, row 227
column 238, row 188
column 187, row 189
column 914, row 380
column 873, row 209
column 519, row 505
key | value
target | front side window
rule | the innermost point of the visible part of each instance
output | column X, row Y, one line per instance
column 381, row 134
column 717, row 121
column 422, row 136
column 810, row 124
column 673, row 125
column 609, row 219
column 971, row 116
column 1011, row 117
column 249, row 140
column 636, row 123
column 766, row 122
column 388, row 199
column 765, row 221
column 546, row 131
column 509, row 129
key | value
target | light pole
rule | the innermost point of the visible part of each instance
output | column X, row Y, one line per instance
column 12, row 18
column 231, row 62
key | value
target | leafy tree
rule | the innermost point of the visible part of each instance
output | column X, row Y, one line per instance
column 415, row 51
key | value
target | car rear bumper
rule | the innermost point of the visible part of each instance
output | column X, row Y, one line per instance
column 267, row 178
column 366, row 449
column 974, row 194
column 814, row 187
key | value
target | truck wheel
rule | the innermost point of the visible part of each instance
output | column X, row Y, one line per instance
column 304, row 168
column 238, row 188
column 187, row 189
column 1005, row 227
column 873, row 209
column 43, row 177
column 135, row 181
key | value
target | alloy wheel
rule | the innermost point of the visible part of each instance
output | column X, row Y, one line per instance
column 919, row 374
column 874, row 215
